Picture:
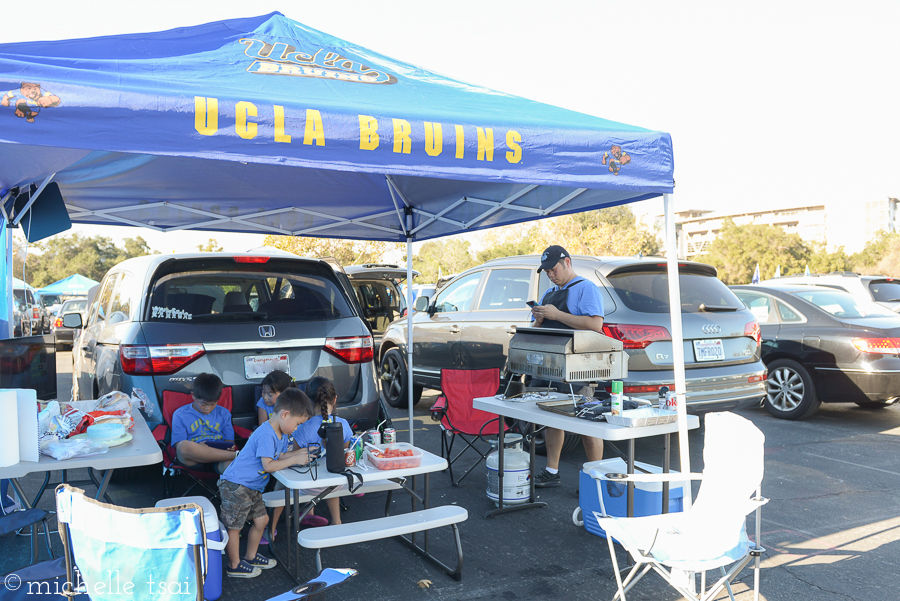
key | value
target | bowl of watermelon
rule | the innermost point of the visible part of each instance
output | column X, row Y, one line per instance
column 396, row 456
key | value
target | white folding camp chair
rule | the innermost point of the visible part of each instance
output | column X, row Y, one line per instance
column 712, row 534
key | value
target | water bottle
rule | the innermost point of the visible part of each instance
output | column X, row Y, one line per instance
column 663, row 392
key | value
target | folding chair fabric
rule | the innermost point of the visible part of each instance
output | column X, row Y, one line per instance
column 143, row 547
column 458, row 416
column 712, row 533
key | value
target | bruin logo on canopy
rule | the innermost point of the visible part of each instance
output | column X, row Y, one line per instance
column 283, row 59
column 28, row 100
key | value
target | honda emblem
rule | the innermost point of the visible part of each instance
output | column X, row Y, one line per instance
column 267, row 331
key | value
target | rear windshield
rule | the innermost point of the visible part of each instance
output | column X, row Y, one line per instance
column 72, row 306
column 843, row 304
column 648, row 291
column 223, row 290
column 884, row 291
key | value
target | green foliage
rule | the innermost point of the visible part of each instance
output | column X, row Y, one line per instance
column 738, row 249
column 345, row 252
column 59, row 257
column 821, row 261
column 210, row 247
column 451, row 256
column 506, row 249
column 874, row 251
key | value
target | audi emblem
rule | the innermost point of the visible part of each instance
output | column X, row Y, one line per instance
column 710, row 328
column 267, row 331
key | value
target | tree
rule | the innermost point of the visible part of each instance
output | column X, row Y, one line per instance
column 210, row 247
column 738, row 249
column 888, row 263
column 866, row 260
column 822, row 261
column 605, row 232
column 346, row 252
column 447, row 256
column 59, row 257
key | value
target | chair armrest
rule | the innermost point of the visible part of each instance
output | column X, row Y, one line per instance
column 159, row 432
column 242, row 432
column 670, row 477
column 439, row 409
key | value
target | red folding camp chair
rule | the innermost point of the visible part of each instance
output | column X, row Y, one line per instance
column 163, row 435
column 459, row 418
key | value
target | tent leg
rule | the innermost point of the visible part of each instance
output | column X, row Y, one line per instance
column 677, row 343
column 409, row 331
column 9, row 288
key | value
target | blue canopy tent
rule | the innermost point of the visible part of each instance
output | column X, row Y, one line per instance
column 75, row 284
column 266, row 125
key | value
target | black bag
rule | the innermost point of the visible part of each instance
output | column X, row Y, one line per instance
column 334, row 447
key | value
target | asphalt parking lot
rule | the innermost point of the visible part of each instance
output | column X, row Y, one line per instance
column 831, row 528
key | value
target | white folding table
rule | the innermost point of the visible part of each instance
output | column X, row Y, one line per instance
column 528, row 411
column 297, row 478
column 142, row 449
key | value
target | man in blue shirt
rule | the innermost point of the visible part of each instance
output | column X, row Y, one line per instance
column 202, row 433
column 572, row 303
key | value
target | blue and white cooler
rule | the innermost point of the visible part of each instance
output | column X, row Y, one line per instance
column 599, row 496
column 216, row 538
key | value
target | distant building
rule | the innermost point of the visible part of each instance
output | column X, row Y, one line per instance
column 840, row 226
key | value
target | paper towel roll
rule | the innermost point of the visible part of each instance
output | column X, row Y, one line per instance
column 9, row 428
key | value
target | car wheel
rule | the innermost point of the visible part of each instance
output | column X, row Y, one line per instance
column 876, row 404
column 394, row 380
column 540, row 446
column 790, row 393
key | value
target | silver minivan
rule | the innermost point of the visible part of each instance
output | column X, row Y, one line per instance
column 469, row 322
column 158, row 321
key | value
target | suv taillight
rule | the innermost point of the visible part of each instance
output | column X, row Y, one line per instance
column 58, row 323
column 752, row 330
column 351, row 349
column 35, row 312
column 159, row 360
column 635, row 336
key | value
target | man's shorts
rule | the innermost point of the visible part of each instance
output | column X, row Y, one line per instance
column 239, row 504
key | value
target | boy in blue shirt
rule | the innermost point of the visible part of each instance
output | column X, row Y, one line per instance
column 242, row 484
column 201, row 432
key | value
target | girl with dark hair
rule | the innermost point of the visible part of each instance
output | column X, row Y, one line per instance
column 322, row 393
column 273, row 385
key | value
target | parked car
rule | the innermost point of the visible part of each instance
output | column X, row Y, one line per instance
column 21, row 318
column 158, row 321
column 881, row 289
column 66, row 336
column 469, row 323
column 50, row 305
column 824, row 346
column 377, row 288
column 33, row 322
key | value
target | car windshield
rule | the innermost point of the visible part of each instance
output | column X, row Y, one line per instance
column 647, row 291
column 843, row 304
column 229, row 291
column 885, row 290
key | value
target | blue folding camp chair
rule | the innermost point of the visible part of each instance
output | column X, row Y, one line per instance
column 115, row 553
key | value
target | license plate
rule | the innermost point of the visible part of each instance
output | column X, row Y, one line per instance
column 709, row 350
column 257, row 367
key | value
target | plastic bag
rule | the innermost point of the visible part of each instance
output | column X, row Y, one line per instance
column 140, row 401
column 46, row 416
column 113, row 401
column 77, row 447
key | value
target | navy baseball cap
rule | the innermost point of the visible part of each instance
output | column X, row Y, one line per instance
column 553, row 255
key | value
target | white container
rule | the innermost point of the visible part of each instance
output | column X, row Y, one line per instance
column 395, row 463
column 516, row 472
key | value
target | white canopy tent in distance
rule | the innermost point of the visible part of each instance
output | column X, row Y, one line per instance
column 264, row 125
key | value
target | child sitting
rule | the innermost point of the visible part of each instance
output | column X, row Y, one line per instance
column 273, row 384
column 242, row 484
column 201, row 432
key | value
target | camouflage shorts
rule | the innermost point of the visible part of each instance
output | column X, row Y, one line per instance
column 239, row 504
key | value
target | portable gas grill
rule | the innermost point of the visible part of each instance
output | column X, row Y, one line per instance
column 567, row 355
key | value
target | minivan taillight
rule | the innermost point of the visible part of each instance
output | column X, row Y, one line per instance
column 158, row 360
column 635, row 336
column 351, row 349
column 752, row 330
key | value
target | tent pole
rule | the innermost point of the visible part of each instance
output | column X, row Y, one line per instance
column 9, row 288
column 677, row 343
column 409, row 328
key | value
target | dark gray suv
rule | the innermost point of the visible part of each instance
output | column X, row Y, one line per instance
column 158, row 321
column 470, row 321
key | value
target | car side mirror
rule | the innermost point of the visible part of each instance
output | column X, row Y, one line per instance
column 72, row 320
column 422, row 303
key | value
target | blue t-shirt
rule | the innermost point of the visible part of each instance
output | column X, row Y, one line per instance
column 247, row 468
column 307, row 433
column 269, row 408
column 584, row 298
column 190, row 424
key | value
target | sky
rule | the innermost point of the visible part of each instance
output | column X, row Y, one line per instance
column 769, row 104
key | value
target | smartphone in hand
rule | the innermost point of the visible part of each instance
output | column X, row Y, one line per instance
column 530, row 303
